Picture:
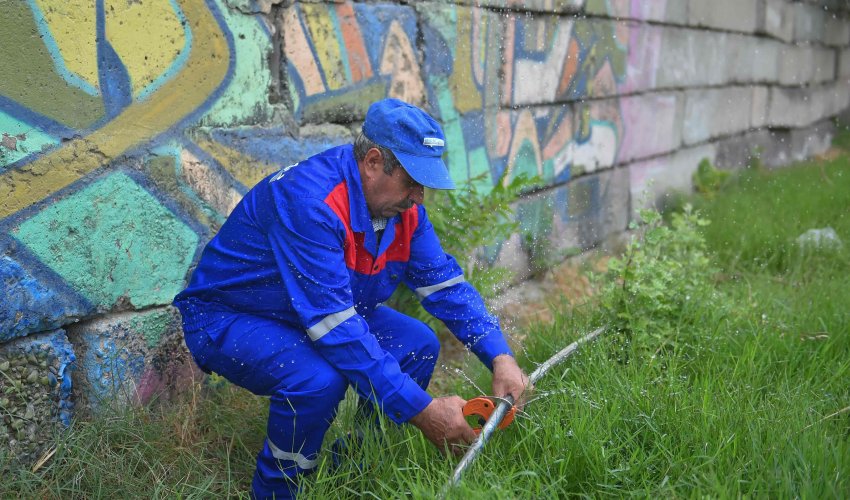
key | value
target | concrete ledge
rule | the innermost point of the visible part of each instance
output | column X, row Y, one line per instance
column 130, row 358
column 567, row 219
column 653, row 182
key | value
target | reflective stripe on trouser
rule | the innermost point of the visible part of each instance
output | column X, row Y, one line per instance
column 271, row 358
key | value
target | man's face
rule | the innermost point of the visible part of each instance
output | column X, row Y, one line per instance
column 390, row 194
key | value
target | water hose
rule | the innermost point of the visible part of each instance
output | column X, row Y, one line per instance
column 505, row 405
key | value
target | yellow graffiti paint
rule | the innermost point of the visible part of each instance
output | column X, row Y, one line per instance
column 245, row 169
column 205, row 69
column 467, row 97
column 147, row 36
column 327, row 44
column 72, row 25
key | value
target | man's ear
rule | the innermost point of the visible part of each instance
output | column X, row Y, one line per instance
column 373, row 162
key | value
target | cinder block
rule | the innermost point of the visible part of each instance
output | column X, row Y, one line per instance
column 544, row 6
column 732, row 15
column 572, row 217
column 130, row 358
column 712, row 113
column 35, row 393
column 653, row 181
column 685, row 56
column 844, row 65
column 776, row 19
column 32, row 305
column 809, row 23
column 751, row 59
column 801, row 107
column 800, row 65
column 818, row 23
column 664, row 112
column 670, row 12
column 738, row 151
column 759, row 106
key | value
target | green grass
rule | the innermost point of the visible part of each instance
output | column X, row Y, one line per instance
column 747, row 396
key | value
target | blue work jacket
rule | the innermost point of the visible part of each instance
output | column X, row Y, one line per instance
column 300, row 248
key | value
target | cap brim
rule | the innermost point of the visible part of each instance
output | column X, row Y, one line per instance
column 430, row 171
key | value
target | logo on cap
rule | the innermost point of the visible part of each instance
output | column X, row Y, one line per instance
column 433, row 142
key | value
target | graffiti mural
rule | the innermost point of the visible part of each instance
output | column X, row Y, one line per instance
column 130, row 129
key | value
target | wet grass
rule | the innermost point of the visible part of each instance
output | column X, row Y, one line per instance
column 752, row 398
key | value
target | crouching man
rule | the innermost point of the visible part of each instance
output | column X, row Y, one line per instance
column 286, row 300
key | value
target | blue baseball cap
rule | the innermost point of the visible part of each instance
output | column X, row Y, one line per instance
column 414, row 137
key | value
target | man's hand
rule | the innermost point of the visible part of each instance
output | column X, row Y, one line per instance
column 508, row 378
column 443, row 423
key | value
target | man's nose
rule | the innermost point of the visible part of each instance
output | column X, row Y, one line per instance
column 417, row 195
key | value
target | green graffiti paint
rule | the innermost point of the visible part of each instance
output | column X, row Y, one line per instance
column 245, row 99
column 25, row 60
column 113, row 242
column 152, row 326
column 455, row 143
column 26, row 139
column 525, row 161
column 479, row 169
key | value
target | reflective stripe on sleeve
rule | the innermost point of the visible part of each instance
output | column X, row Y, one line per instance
column 428, row 290
column 298, row 458
column 329, row 322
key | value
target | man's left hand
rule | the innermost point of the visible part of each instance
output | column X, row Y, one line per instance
column 508, row 378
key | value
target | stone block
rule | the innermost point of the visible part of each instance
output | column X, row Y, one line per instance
column 35, row 393
column 736, row 152
column 662, row 11
column 776, row 147
column 32, row 305
column 340, row 58
column 711, row 113
column 731, row 15
column 812, row 141
column 776, row 19
column 844, row 65
column 806, row 64
column 759, row 107
column 809, row 22
column 130, row 358
column 685, row 55
column 801, row 107
column 113, row 242
column 652, row 182
column 751, row 59
column 568, row 218
column 652, row 125
column 544, row 6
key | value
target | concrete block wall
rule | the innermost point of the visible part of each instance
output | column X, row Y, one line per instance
column 116, row 170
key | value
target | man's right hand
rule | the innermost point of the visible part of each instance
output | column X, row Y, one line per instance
column 443, row 423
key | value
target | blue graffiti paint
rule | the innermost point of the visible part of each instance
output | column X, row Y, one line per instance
column 273, row 145
column 112, row 75
column 29, row 304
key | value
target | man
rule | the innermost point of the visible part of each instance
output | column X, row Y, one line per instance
column 286, row 298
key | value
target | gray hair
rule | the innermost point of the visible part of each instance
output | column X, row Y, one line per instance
column 363, row 144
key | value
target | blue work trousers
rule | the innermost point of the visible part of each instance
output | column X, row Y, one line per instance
column 273, row 359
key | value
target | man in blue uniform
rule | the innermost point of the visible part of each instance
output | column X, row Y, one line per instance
column 286, row 300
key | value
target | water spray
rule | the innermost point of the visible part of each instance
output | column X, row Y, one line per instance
column 504, row 407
